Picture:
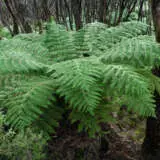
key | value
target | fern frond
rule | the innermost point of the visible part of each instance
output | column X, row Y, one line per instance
column 140, row 52
column 30, row 37
column 25, row 47
column 87, row 39
column 49, row 119
column 153, row 79
column 126, row 81
column 144, row 106
column 87, row 122
column 11, row 62
column 92, row 123
column 77, row 81
column 96, row 38
column 59, row 43
column 80, row 44
column 26, row 99
column 114, row 35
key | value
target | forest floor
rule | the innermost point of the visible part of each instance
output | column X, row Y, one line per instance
column 122, row 142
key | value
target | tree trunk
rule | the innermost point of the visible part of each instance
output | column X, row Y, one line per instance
column 156, row 18
column 45, row 11
column 151, row 145
column 15, row 23
column 69, row 14
column 15, row 28
column 77, row 13
column 140, row 13
column 102, row 11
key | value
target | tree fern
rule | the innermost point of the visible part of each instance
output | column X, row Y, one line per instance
column 99, row 38
column 34, row 72
column 126, row 30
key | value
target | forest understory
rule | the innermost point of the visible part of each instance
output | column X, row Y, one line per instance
column 80, row 80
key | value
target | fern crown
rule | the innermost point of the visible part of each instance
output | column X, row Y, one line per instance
column 92, row 70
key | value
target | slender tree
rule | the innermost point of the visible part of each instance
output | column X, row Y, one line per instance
column 77, row 12
column 15, row 21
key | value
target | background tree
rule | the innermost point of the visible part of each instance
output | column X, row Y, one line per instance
column 24, row 15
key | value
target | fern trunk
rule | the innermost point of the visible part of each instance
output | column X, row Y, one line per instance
column 151, row 145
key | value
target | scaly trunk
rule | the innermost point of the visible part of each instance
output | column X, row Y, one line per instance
column 151, row 145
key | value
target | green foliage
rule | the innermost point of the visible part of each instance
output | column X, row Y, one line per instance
column 79, row 77
column 29, row 98
column 58, row 43
column 85, row 73
column 19, row 145
column 100, row 38
column 139, row 52
column 4, row 32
